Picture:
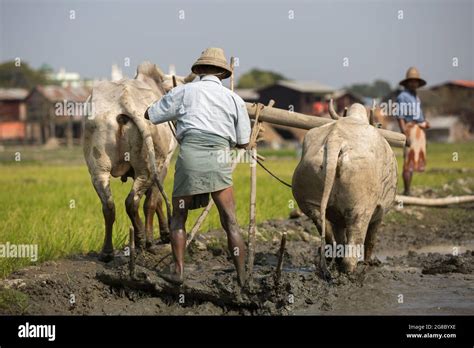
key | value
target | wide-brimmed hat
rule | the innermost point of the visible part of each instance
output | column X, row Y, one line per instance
column 212, row 56
column 412, row 74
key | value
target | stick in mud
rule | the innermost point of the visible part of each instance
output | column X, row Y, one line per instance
column 280, row 259
column 131, row 263
column 252, row 218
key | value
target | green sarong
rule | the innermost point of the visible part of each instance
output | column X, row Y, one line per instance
column 202, row 167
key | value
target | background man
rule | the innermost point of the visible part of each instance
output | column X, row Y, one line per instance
column 210, row 119
column 412, row 122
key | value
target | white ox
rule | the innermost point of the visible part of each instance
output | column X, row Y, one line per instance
column 345, row 182
column 120, row 142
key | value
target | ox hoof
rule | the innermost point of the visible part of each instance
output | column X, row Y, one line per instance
column 140, row 244
column 348, row 266
column 326, row 275
column 173, row 278
column 106, row 257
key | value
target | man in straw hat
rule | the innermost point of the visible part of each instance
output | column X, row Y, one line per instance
column 412, row 123
column 210, row 119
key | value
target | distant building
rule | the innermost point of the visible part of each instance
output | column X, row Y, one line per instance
column 55, row 112
column 66, row 78
column 453, row 98
column 12, row 114
column 447, row 129
column 250, row 95
column 307, row 97
column 344, row 98
column 300, row 96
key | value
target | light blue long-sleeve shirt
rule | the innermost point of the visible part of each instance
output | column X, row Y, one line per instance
column 207, row 106
column 409, row 107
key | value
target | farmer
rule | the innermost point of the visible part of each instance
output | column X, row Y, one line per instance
column 210, row 119
column 412, row 123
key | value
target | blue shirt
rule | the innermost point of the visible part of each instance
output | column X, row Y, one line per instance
column 206, row 106
column 409, row 107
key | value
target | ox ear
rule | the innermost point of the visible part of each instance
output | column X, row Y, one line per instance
column 190, row 78
column 158, row 73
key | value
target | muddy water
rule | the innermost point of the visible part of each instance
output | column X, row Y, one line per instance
column 444, row 249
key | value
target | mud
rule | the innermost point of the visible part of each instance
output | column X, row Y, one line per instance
column 423, row 265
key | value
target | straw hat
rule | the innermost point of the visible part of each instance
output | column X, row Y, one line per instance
column 214, row 57
column 413, row 74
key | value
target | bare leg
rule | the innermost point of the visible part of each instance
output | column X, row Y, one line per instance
column 407, row 176
column 225, row 203
column 178, row 238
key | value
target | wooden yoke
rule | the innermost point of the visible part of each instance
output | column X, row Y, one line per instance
column 297, row 120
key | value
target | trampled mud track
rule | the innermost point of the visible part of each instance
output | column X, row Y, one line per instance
column 424, row 266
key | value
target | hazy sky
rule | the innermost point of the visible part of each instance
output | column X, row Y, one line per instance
column 311, row 46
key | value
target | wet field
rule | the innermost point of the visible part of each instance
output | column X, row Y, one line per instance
column 423, row 265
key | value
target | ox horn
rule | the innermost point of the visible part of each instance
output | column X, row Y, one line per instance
column 372, row 114
column 190, row 77
column 333, row 112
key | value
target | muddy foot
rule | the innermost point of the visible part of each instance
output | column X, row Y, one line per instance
column 173, row 278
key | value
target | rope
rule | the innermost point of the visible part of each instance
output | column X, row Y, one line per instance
column 173, row 129
column 172, row 124
column 269, row 172
column 253, row 142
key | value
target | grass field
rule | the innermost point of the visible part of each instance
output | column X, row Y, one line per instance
column 47, row 198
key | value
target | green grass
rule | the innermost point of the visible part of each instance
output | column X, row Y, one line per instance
column 441, row 168
column 36, row 194
column 13, row 301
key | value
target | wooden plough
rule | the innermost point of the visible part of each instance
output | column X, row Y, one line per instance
column 259, row 113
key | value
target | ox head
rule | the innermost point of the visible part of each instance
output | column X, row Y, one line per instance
column 356, row 111
column 152, row 75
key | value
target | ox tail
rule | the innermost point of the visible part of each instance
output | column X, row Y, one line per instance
column 135, row 114
column 333, row 148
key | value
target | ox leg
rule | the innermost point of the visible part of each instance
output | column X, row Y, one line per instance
column 149, row 208
column 132, row 203
column 329, row 238
column 315, row 217
column 370, row 239
column 355, row 241
column 102, row 186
